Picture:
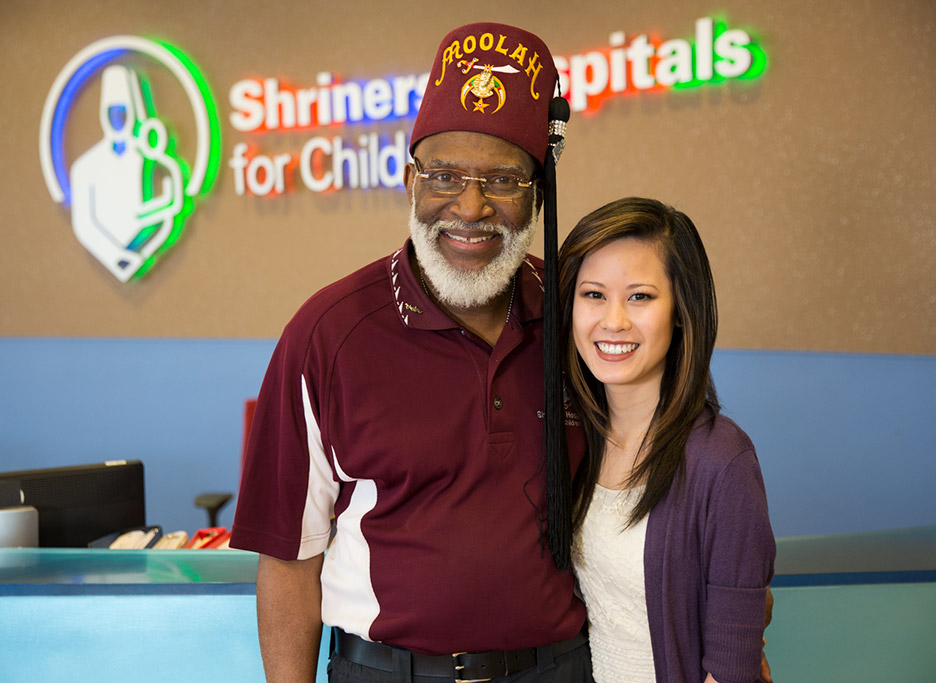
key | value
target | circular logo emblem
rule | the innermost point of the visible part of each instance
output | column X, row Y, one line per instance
column 129, row 193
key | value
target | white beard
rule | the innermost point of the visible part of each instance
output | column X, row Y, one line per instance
column 462, row 289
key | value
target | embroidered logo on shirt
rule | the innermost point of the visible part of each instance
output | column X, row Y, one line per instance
column 571, row 417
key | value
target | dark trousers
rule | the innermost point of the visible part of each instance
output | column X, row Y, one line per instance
column 571, row 667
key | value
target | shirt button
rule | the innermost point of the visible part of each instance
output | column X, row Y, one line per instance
column 498, row 404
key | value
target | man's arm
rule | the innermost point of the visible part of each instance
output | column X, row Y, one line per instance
column 289, row 617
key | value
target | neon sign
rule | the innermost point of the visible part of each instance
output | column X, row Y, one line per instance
column 131, row 192
column 265, row 105
column 641, row 64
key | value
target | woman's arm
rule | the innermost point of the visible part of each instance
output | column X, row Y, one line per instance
column 738, row 555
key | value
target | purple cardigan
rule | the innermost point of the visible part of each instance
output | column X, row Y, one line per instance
column 708, row 560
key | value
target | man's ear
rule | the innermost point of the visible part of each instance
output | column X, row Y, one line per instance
column 539, row 197
column 409, row 176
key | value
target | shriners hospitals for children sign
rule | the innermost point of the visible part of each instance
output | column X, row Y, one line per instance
column 131, row 193
column 629, row 65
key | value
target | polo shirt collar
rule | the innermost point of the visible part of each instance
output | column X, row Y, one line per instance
column 417, row 310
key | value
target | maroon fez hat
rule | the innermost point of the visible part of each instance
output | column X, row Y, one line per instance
column 490, row 78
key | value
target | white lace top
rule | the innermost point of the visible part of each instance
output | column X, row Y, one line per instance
column 609, row 565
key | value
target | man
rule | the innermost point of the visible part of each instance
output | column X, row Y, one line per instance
column 406, row 400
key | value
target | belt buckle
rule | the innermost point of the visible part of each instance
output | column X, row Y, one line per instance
column 460, row 667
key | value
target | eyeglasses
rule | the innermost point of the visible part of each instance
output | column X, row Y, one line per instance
column 493, row 186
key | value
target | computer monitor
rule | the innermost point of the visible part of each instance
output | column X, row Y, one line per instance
column 80, row 504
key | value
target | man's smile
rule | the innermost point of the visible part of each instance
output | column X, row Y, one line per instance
column 470, row 239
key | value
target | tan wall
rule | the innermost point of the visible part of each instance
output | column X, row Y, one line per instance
column 813, row 186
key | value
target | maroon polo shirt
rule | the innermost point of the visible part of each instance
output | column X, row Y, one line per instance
column 425, row 443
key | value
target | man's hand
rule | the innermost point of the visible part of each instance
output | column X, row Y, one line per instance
column 768, row 616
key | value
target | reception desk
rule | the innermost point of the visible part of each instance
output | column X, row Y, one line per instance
column 855, row 607
column 858, row 607
column 128, row 615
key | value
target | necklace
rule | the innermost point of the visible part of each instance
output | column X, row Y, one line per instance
column 513, row 292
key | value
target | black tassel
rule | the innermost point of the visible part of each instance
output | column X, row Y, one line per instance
column 558, row 474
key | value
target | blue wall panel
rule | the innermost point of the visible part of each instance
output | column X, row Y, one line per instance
column 846, row 441
column 177, row 405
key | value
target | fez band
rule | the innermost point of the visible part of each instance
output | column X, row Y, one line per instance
column 469, row 44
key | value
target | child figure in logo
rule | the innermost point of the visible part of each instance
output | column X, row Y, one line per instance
column 109, row 216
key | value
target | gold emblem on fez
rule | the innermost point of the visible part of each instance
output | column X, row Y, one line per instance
column 484, row 85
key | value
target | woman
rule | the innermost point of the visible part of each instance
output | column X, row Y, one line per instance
column 673, row 547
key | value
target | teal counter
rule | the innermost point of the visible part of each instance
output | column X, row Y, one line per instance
column 25, row 571
column 854, row 607
column 128, row 615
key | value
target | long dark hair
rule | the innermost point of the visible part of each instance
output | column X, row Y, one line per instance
column 687, row 387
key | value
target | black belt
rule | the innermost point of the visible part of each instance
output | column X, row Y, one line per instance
column 461, row 667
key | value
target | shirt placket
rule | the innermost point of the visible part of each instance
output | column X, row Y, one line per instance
column 500, row 413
